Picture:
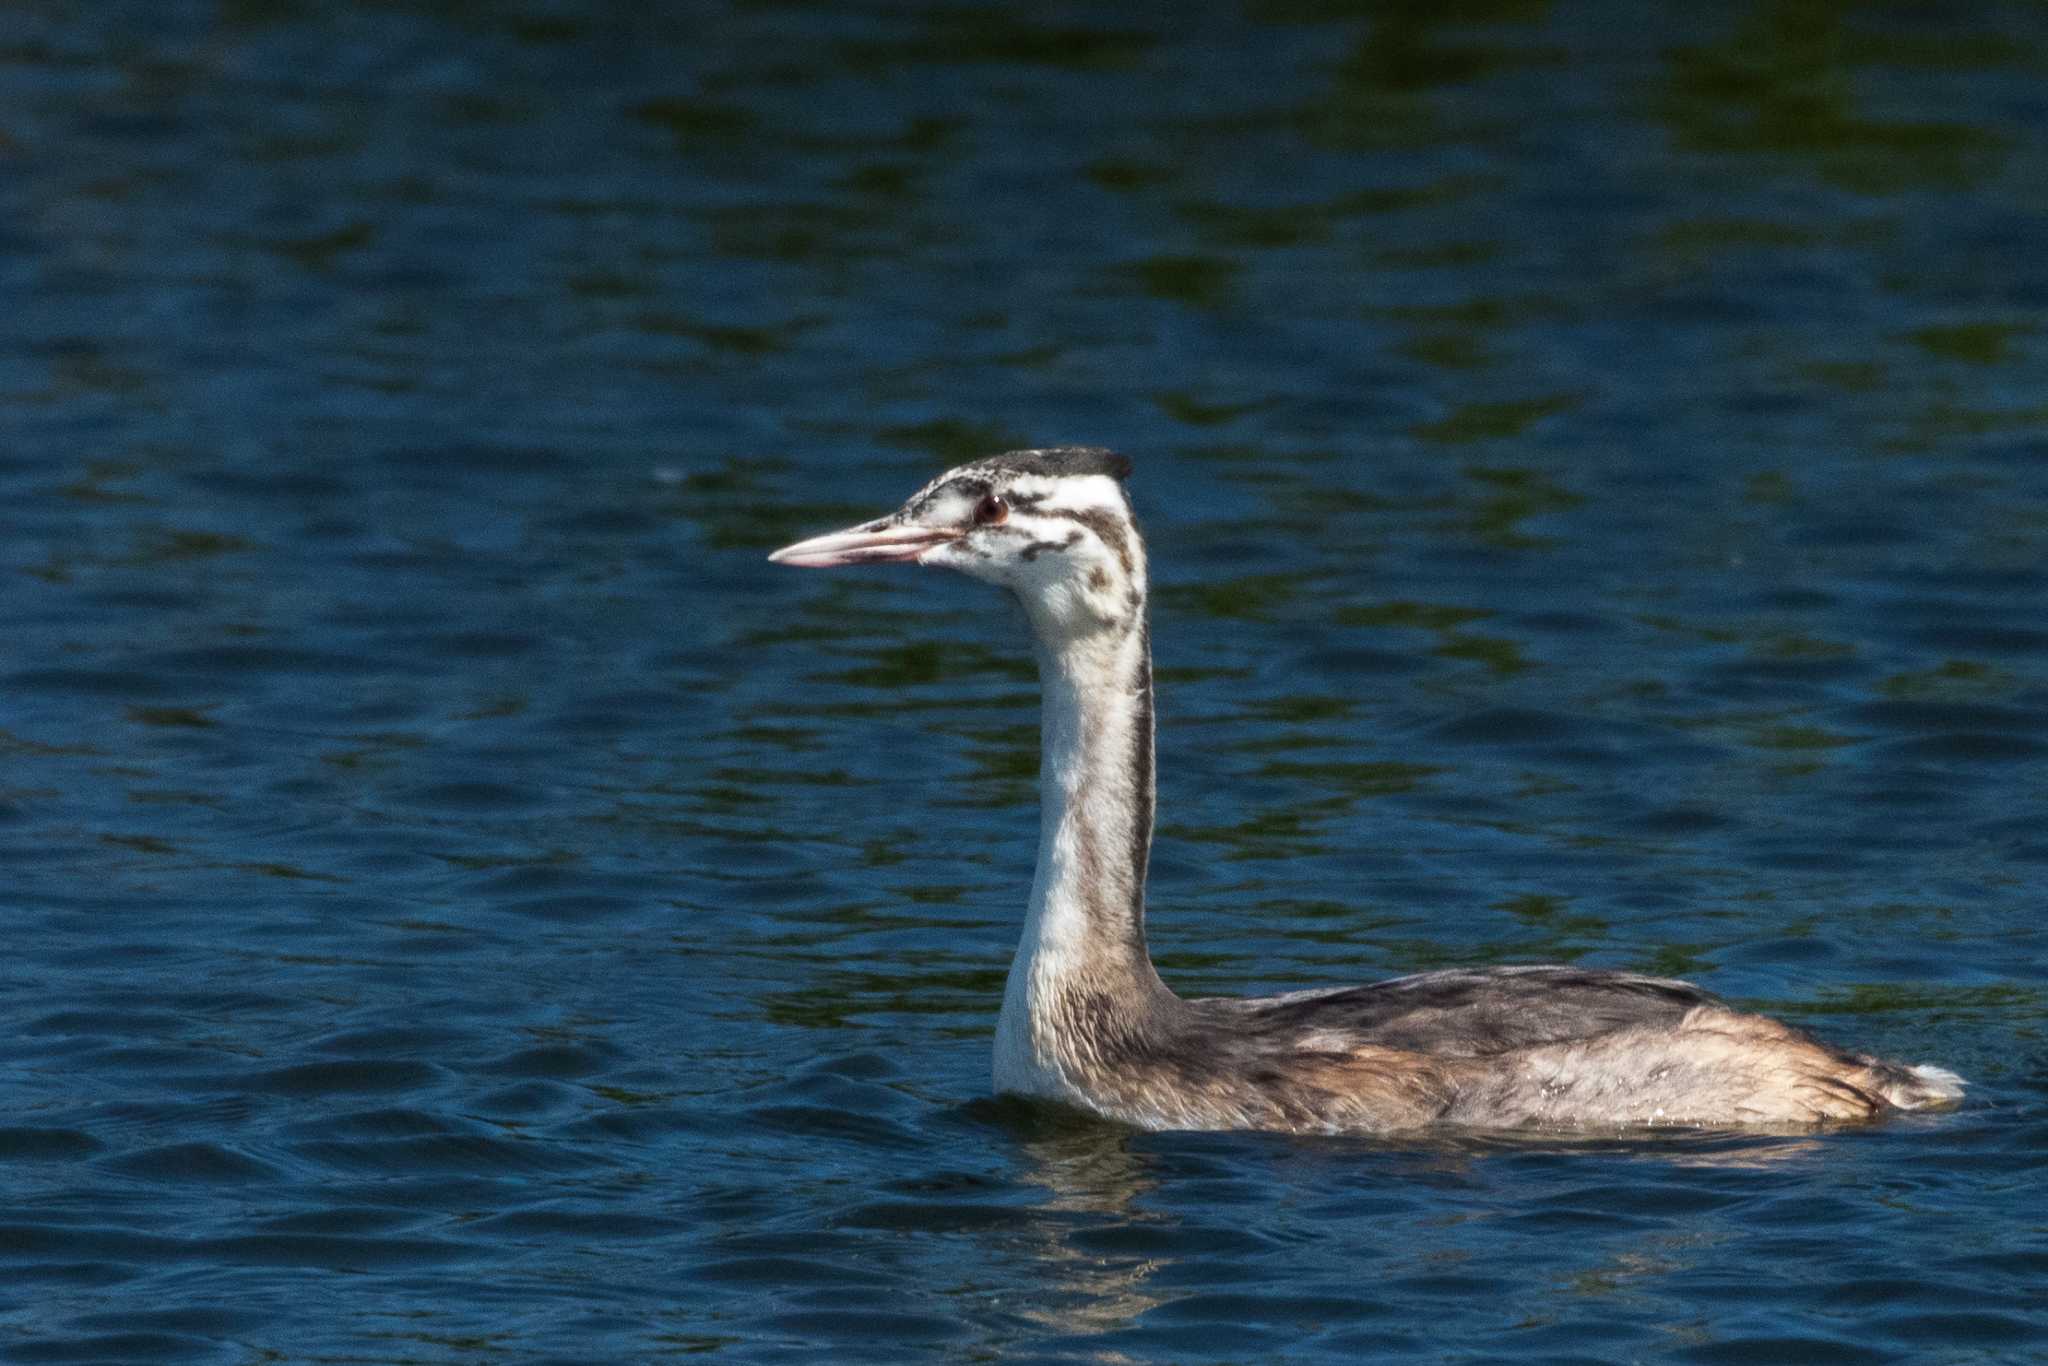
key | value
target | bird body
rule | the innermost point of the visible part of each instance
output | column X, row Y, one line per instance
column 1086, row 1020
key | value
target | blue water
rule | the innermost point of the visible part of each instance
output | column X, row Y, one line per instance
column 462, row 905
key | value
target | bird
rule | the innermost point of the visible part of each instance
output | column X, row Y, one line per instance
column 1086, row 1021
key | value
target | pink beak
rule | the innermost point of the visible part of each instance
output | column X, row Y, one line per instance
column 872, row 543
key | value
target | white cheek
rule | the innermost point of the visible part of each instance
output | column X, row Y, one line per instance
column 1095, row 493
column 948, row 555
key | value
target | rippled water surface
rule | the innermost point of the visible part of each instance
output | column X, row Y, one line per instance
column 463, row 905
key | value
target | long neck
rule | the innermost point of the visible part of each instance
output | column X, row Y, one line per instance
column 1095, row 799
column 1082, row 976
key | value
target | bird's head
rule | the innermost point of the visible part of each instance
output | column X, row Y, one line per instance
column 1052, row 526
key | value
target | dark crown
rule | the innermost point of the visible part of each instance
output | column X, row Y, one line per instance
column 1061, row 461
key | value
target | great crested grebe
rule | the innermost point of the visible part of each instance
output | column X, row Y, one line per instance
column 1086, row 1020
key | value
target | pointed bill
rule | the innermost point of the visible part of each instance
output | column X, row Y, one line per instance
column 871, row 543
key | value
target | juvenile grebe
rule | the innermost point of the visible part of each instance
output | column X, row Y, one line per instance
column 1086, row 1020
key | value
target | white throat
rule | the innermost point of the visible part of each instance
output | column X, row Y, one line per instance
column 1081, row 961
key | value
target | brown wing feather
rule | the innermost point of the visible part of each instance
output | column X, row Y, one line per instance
column 1464, row 1012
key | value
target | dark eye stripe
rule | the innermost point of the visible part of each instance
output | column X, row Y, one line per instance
column 1037, row 548
column 1110, row 529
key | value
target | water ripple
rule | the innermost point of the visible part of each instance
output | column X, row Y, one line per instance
column 463, row 904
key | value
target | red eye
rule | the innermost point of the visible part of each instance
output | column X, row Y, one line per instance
column 992, row 509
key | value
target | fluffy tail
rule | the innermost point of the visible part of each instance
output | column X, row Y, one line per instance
column 1922, row 1087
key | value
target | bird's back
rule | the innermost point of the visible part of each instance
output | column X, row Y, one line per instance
column 1520, row 1048
column 1460, row 1012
